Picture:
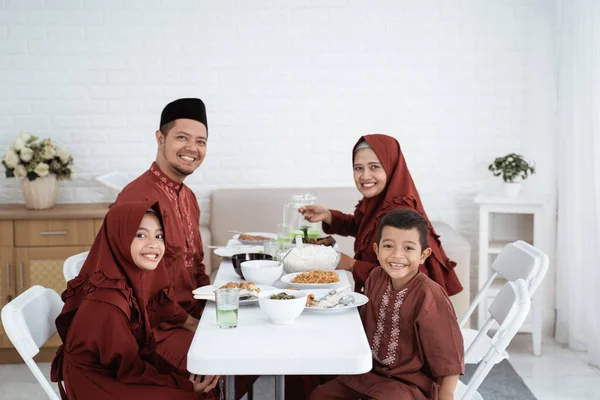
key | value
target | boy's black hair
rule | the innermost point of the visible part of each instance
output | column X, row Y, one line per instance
column 405, row 219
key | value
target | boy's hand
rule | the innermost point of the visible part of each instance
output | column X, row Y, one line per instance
column 346, row 262
column 447, row 387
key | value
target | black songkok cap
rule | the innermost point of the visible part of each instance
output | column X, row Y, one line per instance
column 184, row 108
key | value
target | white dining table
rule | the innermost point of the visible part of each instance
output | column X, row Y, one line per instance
column 316, row 343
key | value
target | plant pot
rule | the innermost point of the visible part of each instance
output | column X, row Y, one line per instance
column 512, row 189
column 41, row 193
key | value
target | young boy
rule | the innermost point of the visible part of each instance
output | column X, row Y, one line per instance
column 409, row 321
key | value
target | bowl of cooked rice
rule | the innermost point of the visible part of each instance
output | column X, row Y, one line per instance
column 311, row 257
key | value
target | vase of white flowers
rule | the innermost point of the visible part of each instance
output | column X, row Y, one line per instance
column 39, row 164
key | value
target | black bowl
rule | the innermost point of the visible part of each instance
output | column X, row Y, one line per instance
column 238, row 259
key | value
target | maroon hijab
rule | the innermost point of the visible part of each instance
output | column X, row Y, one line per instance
column 400, row 192
column 110, row 275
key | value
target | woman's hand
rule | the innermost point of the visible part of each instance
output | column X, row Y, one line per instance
column 204, row 384
column 316, row 213
column 346, row 262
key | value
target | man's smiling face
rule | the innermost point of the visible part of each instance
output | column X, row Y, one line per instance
column 182, row 149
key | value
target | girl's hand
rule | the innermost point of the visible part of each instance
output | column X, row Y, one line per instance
column 316, row 213
column 204, row 383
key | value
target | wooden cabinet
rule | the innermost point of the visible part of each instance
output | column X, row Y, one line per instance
column 34, row 246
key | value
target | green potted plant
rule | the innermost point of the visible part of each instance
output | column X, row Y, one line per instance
column 514, row 169
column 38, row 164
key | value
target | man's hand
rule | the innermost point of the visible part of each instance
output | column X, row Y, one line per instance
column 204, row 384
column 191, row 324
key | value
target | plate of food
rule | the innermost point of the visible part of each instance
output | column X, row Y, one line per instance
column 316, row 279
column 230, row 251
column 254, row 238
column 319, row 300
column 248, row 291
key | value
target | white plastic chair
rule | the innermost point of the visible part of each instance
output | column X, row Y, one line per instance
column 73, row 265
column 28, row 321
column 509, row 309
column 518, row 260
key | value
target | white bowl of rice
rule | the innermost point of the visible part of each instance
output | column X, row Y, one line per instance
column 311, row 257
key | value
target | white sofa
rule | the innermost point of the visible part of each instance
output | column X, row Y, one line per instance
column 260, row 210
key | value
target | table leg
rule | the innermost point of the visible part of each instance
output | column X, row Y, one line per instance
column 230, row 387
column 279, row 387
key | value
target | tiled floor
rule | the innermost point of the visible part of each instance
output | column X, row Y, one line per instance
column 559, row 374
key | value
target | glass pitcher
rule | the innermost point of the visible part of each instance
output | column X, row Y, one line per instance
column 294, row 220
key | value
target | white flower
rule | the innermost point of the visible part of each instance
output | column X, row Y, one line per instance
column 19, row 144
column 20, row 171
column 42, row 169
column 25, row 136
column 11, row 159
column 49, row 152
column 63, row 154
column 26, row 154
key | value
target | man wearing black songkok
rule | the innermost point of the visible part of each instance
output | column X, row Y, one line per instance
column 181, row 137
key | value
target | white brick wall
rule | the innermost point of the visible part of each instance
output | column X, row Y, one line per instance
column 289, row 86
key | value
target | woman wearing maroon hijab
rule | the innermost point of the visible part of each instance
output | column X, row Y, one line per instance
column 110, row 309
column 381, row 175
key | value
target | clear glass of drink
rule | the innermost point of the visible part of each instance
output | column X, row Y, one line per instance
column 283, row 236
column 271, row 248
column 227, row 307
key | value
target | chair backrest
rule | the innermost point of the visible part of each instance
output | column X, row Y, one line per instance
column 516, row 261
column 509, row 309
column 28, row 321
column 73, row 265
column 544, row 262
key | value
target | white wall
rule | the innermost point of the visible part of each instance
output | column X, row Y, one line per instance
column 289, row 86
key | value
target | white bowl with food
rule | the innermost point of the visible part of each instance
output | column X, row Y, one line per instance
column 282, row 306
column 264, row 272
column 311, row 257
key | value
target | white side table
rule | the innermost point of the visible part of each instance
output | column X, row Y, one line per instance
column 503, row 220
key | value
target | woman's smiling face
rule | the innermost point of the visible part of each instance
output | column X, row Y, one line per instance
column 369, row 175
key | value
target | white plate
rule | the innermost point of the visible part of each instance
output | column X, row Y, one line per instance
column 360, row 299
column 254, row 242
column 228, row 252
column 207, row 293
column 287, row 279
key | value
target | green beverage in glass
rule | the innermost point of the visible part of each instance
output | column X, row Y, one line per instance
column 313, row 233
column 227, row 307
column 227, row 317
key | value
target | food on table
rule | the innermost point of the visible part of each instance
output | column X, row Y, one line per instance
column 254, row 238
column 311, row 300
column 311, row 257
column 316, row 276
column 281, row 296
column 324, row 241
column 246, row 288
column 327, row 302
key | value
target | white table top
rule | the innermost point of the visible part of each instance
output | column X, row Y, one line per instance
column 314, row 344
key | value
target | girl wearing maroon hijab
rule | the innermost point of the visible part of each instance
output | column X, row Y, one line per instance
column 381, row 175
column 110, row 308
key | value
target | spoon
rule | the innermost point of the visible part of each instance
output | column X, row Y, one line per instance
column 344, row 301
column 286, row 254
column 234, row 231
